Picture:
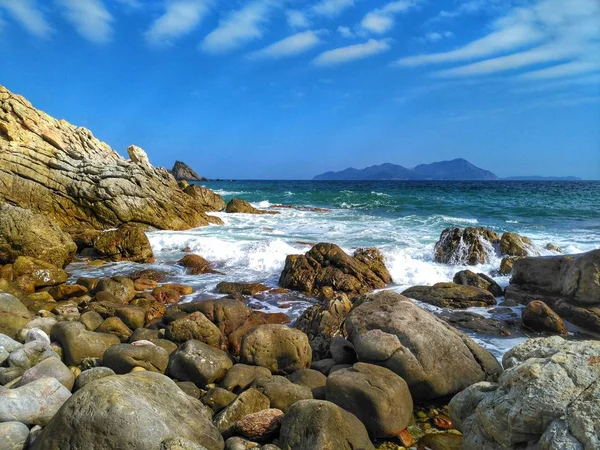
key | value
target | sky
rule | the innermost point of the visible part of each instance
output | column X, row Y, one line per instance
column 288, row 89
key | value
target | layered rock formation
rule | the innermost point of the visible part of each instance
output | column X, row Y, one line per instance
column 63, row 171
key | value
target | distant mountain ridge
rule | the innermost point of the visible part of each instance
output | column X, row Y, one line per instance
column 456, row 169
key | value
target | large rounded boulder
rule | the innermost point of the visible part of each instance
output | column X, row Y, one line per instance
column 433, row 358
column 126, row 243
column 129, row 412
column 207, row 198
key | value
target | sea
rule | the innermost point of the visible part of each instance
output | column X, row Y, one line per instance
column 403, row 219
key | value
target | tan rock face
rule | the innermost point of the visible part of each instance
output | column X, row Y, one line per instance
column 63, row 171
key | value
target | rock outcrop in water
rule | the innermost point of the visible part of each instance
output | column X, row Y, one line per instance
column 64, row 172
column 182, row 172
column 569, row 284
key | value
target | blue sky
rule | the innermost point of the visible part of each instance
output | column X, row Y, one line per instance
column 291, row 88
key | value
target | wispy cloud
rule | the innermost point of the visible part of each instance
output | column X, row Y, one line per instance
column 131, row 4
column 345, row 32
column 27, row 13
column 381, row 20
column 560, row 34
column 239, row 27
column 179, row 19
column 436, row 36
column 352, row 52
column 563, row 70
column 290, row 46
column 90, row 18
column 297, row 19
column 331, row 8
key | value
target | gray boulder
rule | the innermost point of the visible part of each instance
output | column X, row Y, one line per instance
column 376, row 395
column 433, row 358
column 198, row 362
column 281, row 392
column 240, row 376
column 547, row 398
column 14, row 436
column 33, row 404
column 137, row 411
column 318, row 424
column 78, row 343
column 95, row 373
column 49, row 368
column 247, row 402
column 124, row 357
column 13, row 315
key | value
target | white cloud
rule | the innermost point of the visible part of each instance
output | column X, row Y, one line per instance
column 290, row 46
column 90, row 18
column 345, row 32
column 381, row 20
column 179, row 19
column 239, row 27
column 27, row 13
column 331, row 8
column 550, row 32
column 435, row 36
column 297, row 19
column 563, row 70
column 352, row 52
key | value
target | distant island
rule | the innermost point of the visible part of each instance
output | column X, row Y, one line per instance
column 457, row 169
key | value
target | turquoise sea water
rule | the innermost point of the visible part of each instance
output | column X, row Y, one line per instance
column 402, row 219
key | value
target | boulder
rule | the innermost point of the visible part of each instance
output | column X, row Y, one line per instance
column 241, row 376
column 137, row 155
column 433, row 358
column 279, row 348
column 247, row 402
column 466, row 246
column 326, row 269
column 232, row 288
column 312, row 424
column 181, row 171
column 14, row 436
column 49, row 368
column 312, row 379
column 116, row 327
column 121, row 288
column 282, row 393
column 378, row 397
column 126, row 243
column 39, row 273
column 568, row 284
column 133, row 317
column 218, row 398
column 30, row 354
column 166, row 296
column 513, row 244
column 260, row 426
column 471, row 321
column 236, row 205
column 78, row 343
column 479, row 280
column 198, row 362
column 67, row 291
column 207, row 198
column 195, row 265
column 195, row 326
column 450, row 295
column 115, row 412
column 507, row 263
column 539, row 317
column 25, row 233
column 13, row 315
column 226, row 313
column 65, row 173
column 322, row 322
column 124, row 357
column 547, row 398
column 342, row 351
column 33, row 404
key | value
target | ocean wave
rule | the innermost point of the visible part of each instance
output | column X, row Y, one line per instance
column 459, row 220
column 226, row 193
column 512, row 221
column 380, row 194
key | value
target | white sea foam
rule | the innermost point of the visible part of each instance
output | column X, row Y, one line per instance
column 459, row 220
column 227, row 193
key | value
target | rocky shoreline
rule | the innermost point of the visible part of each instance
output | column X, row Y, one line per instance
column 121, row 363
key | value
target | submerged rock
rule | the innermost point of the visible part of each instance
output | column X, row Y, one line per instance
column 466, row 246
column 236, row 205
column 134, row 411
column 64, row 172
column 326, row 269
column 433, row 358
column 195, row 265
column 450, row 295
column 548, row 394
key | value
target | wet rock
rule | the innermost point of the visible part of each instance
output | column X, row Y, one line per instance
column 126, row 243
column 241, row 376
column 539, row 317
column 312, row 424
column 507, row 263
column 479, row 280
column 195, row 326
column 378, row 397
column 114, row 412
column 124, row 357
column 195, row 265
column 475, row 322
column 198, row 362
column 279, row 348
column 513, row 244
column 466, row 246
column 260, row 426
column 218, row 398
column 49, row 368
column 548, row 384
column 13, row 315
column 231, row 288
column 33, row 404
column 207, row 198
column 433, row 358
column 281, row 392
column 451, row 295
column 78, row 343
column 166, row 296
column 236, row 205
column 247, row 402
column 150, row 274
column 26, row 233
column 326, row 267
column 144, row 285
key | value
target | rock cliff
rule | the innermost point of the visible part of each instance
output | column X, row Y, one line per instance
column 63, row 171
